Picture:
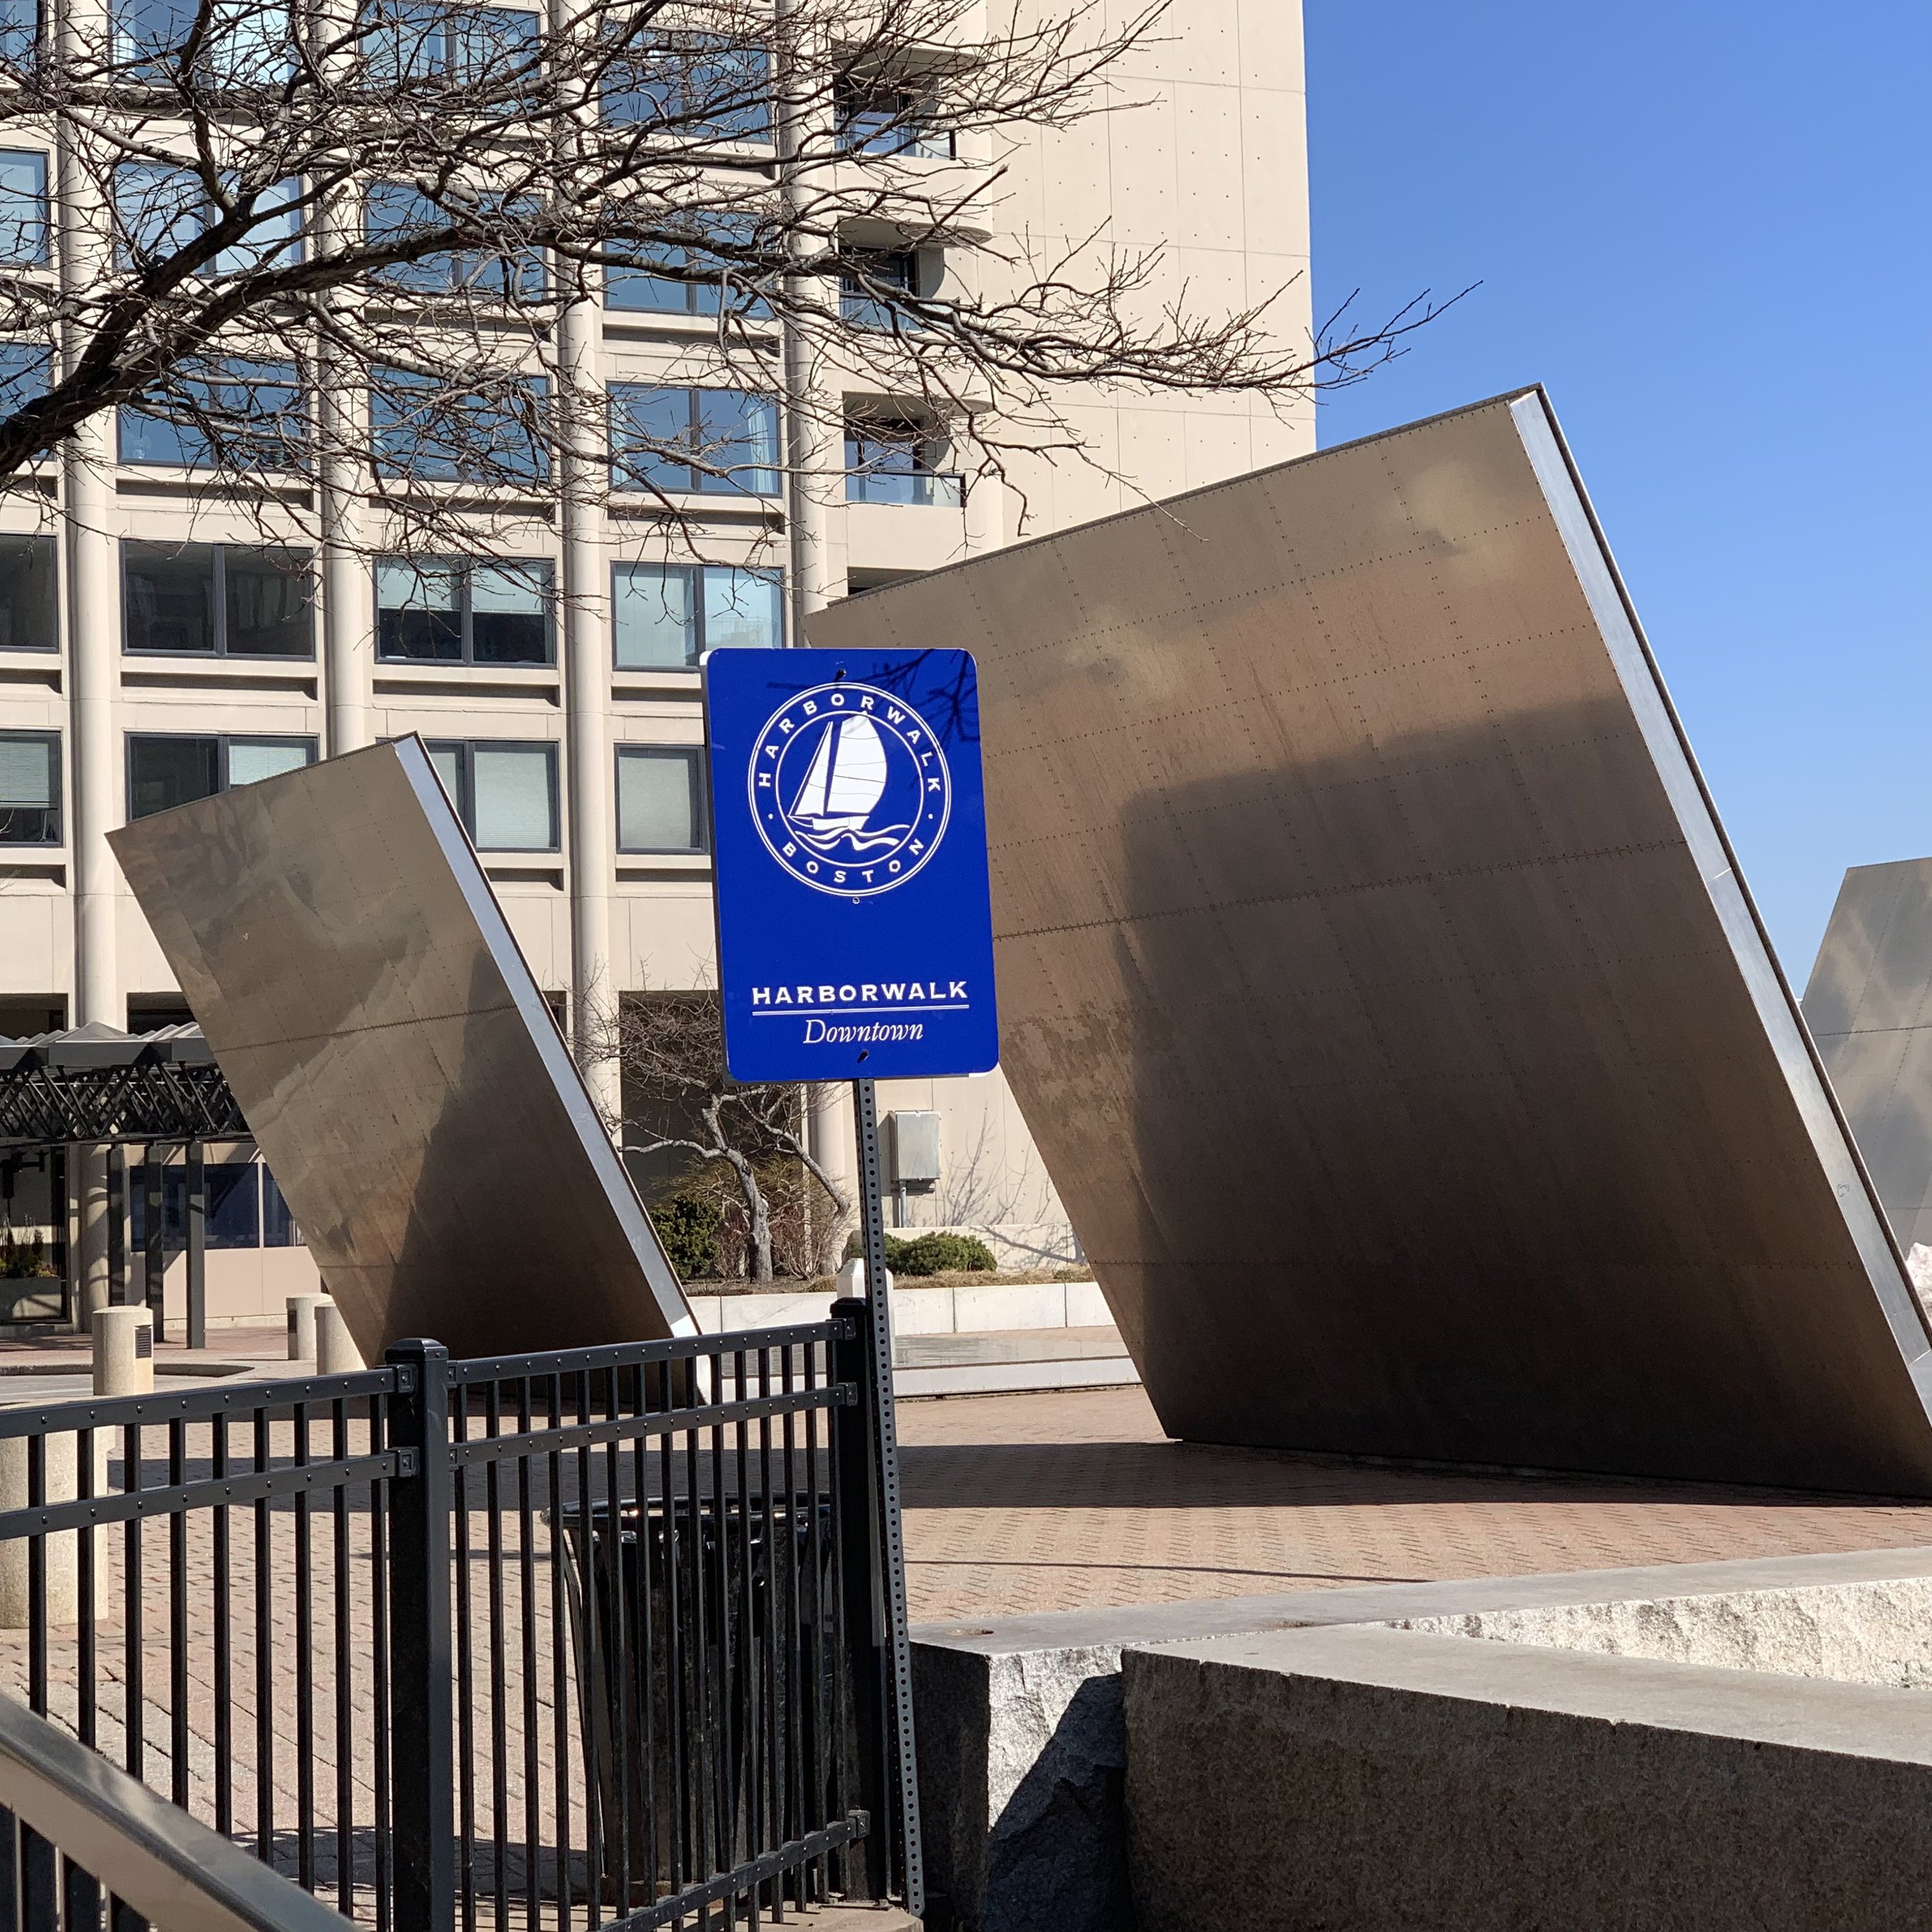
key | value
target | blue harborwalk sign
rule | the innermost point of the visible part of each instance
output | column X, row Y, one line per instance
column 849, row 833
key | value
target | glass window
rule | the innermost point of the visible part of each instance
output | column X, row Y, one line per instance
column 29, row 788
column 245, row 43
column 160, row 211
column 891, row 462
column 234, row 1206
column 719, row 440
column 267, row 596
column 246, row 414
column 505, row 794
column 394, row 211
column 444, row 610
column 168, row 596
column 19, row 30
column 660, row 800
column 876, row 117
column 29, row 610
column 866, row 287
column 23, row 209
column 278, row 1223
column 408, row 40
column 217, row 599
column 166, row 770
column 419, row 608
column 669, row 614
column 253, row 758
column 654, row 615
column 699, row 87
column 25, row 368
column 681, row 278
column 429, row 432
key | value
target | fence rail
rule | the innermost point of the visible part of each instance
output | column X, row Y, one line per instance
column 579, row 1639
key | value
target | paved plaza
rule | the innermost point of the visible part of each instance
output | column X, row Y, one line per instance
column 1075, row 1499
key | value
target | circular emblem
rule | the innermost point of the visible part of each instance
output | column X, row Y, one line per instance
column 849, row 790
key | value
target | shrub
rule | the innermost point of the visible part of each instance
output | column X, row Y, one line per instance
column 688, row 1224
column 932, row 1254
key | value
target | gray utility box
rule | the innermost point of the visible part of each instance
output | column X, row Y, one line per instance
column 915, row 1146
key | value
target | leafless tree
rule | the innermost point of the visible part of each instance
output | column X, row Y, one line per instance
column 344, row 253
column 670, row 1049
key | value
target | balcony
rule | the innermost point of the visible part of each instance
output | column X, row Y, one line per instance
column 922, row 489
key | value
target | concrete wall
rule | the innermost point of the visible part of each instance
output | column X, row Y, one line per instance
column 1378, row 1780
column 1024, row 1744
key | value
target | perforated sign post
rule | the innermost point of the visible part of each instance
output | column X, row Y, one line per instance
column 855, row 934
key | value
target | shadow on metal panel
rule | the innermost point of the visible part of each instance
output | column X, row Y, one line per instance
column 356, row 980
column 1383, row 996
column 1870, row 1008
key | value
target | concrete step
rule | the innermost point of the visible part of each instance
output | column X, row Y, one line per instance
column 1003, row 1361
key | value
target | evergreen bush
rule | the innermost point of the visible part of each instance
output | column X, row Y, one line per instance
column 688, row 1224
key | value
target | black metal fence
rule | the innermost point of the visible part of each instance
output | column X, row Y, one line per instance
column 585, row 1639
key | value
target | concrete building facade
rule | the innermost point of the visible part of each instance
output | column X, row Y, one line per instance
column 153, row 647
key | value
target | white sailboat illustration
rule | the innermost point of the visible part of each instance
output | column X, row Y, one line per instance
column 846, row 781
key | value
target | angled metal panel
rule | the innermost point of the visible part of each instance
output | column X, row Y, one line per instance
column 355, row 978
column 1382, row 995
column 1869, row 1006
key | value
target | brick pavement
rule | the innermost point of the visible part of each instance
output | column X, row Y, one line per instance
column 1075, row 1499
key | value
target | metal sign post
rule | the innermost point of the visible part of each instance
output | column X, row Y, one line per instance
column 855, row 942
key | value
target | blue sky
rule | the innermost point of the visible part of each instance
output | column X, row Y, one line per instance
column 1704, row 226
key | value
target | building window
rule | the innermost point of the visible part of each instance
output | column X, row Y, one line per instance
column 171, row 769
column 718, row 441
column 690, row 278
column 239, row 414
column 216, row 599
column 505, row 794
column 695, row 87
column 29, row 788
column 877, row 116
column 19, row 31
column 426, row 431
column 888, row 462
column 869, row 283
column 660, row 800
column 160, row 211
column 393, row 212
column 665, row 615
column 405, row 40
column 23, row 209
column 29, row 610
column 446, row 610
column 25, row 370
column 240, row 46
column 246, row 1209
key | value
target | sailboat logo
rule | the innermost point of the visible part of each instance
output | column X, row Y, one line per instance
column 850, row 790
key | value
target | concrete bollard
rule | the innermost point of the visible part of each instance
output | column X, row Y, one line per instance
column 335, row 1353
column 301, row 1325
column 851, row 1280
column 124, row 1352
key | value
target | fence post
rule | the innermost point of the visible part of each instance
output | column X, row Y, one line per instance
column 422, row 1718
column 862, row 1580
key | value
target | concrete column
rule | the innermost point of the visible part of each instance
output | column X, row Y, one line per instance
column 584, row 610
column 93, row 585
column 93, row 1273
column 124, row 1352
column 336, row 1352
column 832, row 1128
column 301, row 1325
column 348, row 589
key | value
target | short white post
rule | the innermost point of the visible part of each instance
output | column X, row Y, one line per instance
column 301, row 1325
column 336, row 1352
column 851, row 1280
column 124, row 1352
